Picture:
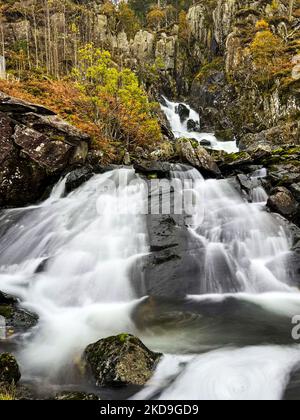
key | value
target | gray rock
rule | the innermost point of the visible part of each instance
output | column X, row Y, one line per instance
column 121, row 360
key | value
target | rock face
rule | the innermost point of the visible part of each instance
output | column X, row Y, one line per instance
column 121, row 360
column 233, row 89
column 36, row 148
column 9, row 369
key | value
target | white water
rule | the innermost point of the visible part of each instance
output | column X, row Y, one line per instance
column 180, row 129
column 84, row 292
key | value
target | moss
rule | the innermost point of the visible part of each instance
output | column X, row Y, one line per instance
column 6, row 311
column 152, row 176
column 123, row 337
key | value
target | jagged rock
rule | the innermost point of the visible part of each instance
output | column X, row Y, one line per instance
column 295, row 190
column 37, row 147
column 282, row 202
column 197, row 156
column 9, row 369
column 121, row 360
column 76, row 396
column 183, row 112
column 78, row 177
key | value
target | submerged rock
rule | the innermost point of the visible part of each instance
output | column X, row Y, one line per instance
column 120, row 360
column 9, row 369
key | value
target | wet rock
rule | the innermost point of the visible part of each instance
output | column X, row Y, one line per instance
column 197, row 156
column 205, row 143
column 183, row 112
column 193, row 126
column 9, row 369
column 282, row 201
column 16, row 319
column 76, row 396
column 120, row 360
column 78, row 177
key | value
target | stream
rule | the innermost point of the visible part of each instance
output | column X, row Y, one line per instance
column 70, row 260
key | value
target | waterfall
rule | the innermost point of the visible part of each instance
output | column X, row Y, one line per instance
column 71, row 259
column 87, row 243
column 180, row 129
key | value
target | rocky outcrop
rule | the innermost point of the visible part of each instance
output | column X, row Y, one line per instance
column 192, row 153
column 120, row 361
column 9, row 369
column 37, row 147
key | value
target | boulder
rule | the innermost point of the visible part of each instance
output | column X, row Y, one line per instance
column 151, row 167
column 282, row 201
column 9, row 369
column 120, row 361
column 205, row 143
column 183, row 112
column 194, row 154
column 78, row 177
column 37, row 148
column 193, row 126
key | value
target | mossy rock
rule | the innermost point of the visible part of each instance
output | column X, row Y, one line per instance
column 120, row 360
column 9, row 369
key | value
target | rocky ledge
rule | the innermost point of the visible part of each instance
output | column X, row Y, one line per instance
column 37, row 147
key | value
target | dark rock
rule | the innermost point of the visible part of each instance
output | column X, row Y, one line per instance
column 205, row 143
column 37, row 147
column 193, row 126
column 183, row 112
column 9, row 369
column 282, row 201
column 76, row 396
column 78, row 177
column 225, row 135
column 295, row 190
column 7, row 299
column 161, row 169
column 13, row 105
column 121, row 360
column 16, row 319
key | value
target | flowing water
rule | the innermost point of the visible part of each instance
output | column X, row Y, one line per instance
column 179, row 128
column 70, row 260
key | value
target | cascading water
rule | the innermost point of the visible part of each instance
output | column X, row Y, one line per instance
column 70, row 260
column 86, row 244
column 179, row 128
